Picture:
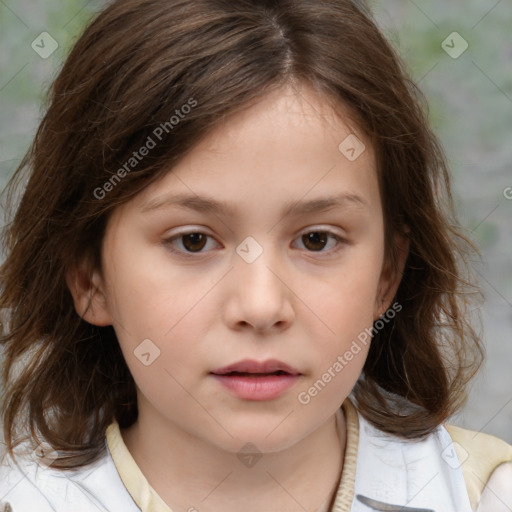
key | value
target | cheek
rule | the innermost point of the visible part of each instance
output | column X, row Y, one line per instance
column 160, row 347
column 345, row 303
column 340, row 355
column 347, row 298
column 148, row 295
column 153, row 301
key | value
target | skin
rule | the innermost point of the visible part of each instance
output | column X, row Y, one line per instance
column 497, row 494
column 302, row 303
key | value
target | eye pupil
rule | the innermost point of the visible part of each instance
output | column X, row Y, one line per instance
column 316, row 238
column 194, row 238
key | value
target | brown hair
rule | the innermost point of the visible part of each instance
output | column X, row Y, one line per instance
column 134, row 67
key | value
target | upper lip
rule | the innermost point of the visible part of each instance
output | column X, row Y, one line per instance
column 253, row 366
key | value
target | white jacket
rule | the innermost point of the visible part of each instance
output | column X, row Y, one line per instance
column 389, row 474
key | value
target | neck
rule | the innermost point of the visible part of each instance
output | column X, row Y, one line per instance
column 205, row 478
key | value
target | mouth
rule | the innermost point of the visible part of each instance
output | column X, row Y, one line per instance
column 250, row 367
column 257, row 381
column 249, row 374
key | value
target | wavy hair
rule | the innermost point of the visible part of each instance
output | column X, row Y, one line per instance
column 131, row 70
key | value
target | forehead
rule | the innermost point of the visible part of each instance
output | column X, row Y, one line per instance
column 290, row 113
column 289, row 147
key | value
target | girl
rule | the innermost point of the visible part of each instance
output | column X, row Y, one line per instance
column 233, row 279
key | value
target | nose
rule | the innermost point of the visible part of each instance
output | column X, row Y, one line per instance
column 260, row 295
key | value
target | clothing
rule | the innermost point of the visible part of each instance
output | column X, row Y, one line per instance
column 433, row 474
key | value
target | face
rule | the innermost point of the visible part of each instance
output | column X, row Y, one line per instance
column 290, row 269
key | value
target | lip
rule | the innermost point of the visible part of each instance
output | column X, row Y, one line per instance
column 256, row 380
column 253, row 366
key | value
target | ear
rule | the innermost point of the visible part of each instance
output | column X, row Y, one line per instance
column 391, row 276
column 88, row 290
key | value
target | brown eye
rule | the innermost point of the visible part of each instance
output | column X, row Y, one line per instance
column 194, row 242
column 189, row 244
column 322, row 242
column 316, row 240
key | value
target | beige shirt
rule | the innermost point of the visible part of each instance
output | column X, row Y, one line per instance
column 147, row 499
column 479, row 453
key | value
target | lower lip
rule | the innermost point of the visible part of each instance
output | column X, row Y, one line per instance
column 264, row 387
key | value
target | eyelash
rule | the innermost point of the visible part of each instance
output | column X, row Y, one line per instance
column 187, row 254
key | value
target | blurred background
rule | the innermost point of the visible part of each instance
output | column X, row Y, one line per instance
column 460, row 54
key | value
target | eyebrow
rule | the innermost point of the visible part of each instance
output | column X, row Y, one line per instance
column 210, row 205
